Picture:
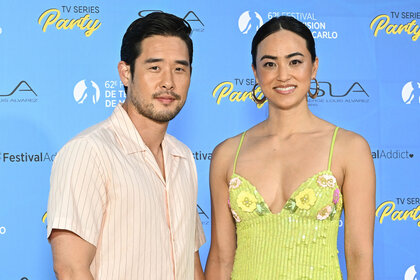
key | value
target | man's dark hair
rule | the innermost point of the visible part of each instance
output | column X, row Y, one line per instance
column 283, row 23
column 157, row 23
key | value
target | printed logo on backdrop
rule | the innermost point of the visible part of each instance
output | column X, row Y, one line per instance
column 250, row 22
column 191, row 17
column 203, row 215
column 403, row 209
column 25, row 157
column 346, row 93
column 397, row 23
column 411, row 93
column 71, row 18
column 411, row 273
column 88, row 92
column 392, row 154
column 240, row 90
column 2, row 230
column 1, row 30
column 22, row 93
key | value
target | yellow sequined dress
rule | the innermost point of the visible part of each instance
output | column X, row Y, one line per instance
column 300, row 242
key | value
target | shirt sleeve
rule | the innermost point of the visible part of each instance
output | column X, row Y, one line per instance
column 200, row 238
column 77, row 197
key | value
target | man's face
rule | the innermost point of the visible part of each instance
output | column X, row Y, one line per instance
column 158, row 88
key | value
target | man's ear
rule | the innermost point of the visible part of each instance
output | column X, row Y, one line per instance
column 124, row 72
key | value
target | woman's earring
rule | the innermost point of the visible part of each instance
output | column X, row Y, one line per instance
column 315, row 94
column 255, row 98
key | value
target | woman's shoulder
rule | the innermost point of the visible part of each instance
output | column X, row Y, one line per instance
column 351, row 144
column 228, row 147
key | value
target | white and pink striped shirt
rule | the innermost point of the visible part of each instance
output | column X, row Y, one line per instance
column 107, row 188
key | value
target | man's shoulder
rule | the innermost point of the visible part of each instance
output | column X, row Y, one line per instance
column 178, row 145
column 98, row 135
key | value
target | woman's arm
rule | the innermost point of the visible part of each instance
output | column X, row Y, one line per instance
column 223, row 236
column 359, row 207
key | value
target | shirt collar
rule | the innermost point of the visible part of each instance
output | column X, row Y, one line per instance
column 130, row 138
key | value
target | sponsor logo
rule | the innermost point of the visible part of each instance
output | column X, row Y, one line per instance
column 318, row 28
column 410, row 273
column 250, row 22
column 2, row 230
column 391, row 154
column 27, row 157
column 411, row 92
column 202, row 155
column 387, row 210
column 396, row 24
column 240, row 90
column 86, row 92
column 22, row 93
column 350, row 93
column 52, row 18
column 204, row 217
column 195, row 22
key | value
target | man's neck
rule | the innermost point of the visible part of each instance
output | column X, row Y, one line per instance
column 151, row 132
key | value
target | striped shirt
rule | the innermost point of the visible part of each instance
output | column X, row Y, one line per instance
column 107, row 188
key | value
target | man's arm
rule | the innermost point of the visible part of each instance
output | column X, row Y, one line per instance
column 72, row 255
column 198, row 270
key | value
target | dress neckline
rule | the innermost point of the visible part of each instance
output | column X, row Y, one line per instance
column 234, row 174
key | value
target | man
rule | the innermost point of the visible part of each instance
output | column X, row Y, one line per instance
column 123, row 193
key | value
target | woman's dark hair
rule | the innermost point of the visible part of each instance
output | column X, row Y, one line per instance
column 157, row 23
column 283, row 23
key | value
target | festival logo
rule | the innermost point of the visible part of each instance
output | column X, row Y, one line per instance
column 2, row 230
column 202, row 155
column 391, row 211
column 391, row 154
column 1, row 30
column 250, row 22
column 411, row 92
column 195, row 22
column 26, row 157
column 84, row 92
column 410, row 273
column 69, row 18
column 44, row 218
column 396, row 24
column 318, row 27
column 229, row 91
column 22, row 93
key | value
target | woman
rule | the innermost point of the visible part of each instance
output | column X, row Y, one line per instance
column 266, row 223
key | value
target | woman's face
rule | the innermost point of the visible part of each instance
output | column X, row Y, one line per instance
column 284, row 69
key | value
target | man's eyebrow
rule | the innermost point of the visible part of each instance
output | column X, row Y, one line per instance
column 182, row 62
column 153, row 60
column 268, row 57
column 294, row 54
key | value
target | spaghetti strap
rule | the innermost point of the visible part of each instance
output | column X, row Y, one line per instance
column 332, row 148
column 237, row 151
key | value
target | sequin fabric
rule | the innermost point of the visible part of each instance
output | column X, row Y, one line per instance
column 299, row 242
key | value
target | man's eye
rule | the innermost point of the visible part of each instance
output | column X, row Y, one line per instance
column 269, row 64
column 154, row 68
column 295, row 62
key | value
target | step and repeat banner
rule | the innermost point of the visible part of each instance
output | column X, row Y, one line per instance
column 58, row 76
